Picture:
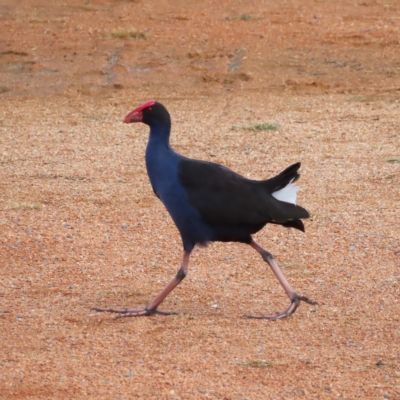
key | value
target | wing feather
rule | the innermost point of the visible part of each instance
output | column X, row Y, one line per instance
column 224, row 197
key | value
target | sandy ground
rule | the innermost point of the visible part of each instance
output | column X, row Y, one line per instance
column 81, row 227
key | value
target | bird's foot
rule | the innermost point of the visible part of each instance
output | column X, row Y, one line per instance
column 139, row 312
column 295, row 302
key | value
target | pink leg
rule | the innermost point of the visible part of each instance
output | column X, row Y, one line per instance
column 293, row 296
column 151, row 308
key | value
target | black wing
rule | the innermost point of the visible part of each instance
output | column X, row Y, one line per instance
column 225, row 197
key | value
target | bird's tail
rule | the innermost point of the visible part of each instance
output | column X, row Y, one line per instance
column 282, row 180
column 286, row 212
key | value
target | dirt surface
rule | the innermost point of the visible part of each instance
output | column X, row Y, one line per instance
column 81, row 227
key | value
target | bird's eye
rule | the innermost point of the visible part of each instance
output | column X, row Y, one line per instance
column 149, row 108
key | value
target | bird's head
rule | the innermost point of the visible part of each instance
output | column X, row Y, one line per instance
column 150, row 113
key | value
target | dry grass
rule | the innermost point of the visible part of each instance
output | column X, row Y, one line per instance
column 26, row 206
column 258, row 363
column 241, row 17
column 127, row 34
column 255, row 127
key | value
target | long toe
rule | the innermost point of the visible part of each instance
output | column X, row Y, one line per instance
column 296, row 299
column 139, row 312
column 282, row 314
column 307, row 300
column 124, row 311
column 134, row 313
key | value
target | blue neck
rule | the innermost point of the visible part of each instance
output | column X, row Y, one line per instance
column 158, row 142
column 160, row 158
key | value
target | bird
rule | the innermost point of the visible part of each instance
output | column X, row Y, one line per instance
column 209, row 203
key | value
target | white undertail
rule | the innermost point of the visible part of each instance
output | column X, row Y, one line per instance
column 287, row 194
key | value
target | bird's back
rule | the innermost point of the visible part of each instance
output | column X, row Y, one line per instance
column 224, row 197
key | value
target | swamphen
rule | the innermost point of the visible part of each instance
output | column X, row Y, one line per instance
column 209, row 202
